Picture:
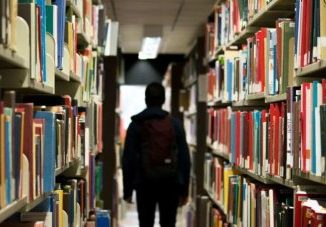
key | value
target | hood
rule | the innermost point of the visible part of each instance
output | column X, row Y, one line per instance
column 149, row 113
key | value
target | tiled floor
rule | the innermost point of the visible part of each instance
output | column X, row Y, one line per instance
column 131, row 218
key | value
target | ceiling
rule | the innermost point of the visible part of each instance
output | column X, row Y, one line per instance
column 182, row 22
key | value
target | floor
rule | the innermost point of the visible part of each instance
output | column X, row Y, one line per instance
column 131, row 218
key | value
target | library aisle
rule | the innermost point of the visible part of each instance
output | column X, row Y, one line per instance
column 245, row 78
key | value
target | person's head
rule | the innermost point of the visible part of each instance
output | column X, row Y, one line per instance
column 154, row 95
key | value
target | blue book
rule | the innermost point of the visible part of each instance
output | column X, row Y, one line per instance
column 17, row 152
column 313, row 133
column 257, row 139
column 297, row 24
column 229, row 80
column 61, row 4
column 102, row 218
column 49, row 149
column 8, row 153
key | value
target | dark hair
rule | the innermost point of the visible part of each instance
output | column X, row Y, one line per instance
column 154, row 94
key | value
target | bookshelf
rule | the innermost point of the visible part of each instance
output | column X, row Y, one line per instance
column 61, row 75
column 259, row 151
column 55, row 117
column 9, row 58
column 315, row 69
column 12, row 208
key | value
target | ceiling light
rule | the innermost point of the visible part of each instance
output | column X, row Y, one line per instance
column 150, row 47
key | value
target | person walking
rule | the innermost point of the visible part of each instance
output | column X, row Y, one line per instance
column 156, row 162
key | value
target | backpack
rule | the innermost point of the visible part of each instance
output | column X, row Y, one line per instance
column 158, row 153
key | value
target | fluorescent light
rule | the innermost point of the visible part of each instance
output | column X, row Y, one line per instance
column 150, row 48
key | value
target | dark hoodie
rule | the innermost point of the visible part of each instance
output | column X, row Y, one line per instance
column 130, row 165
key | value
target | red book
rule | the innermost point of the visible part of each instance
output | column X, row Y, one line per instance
column 304, row 101
column 323, row 84
column 303, row 33
column 237, row 139
column 277, row 141
column 27, row 108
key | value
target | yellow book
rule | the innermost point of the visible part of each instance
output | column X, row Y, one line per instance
column 322, row 30
column 13, row 19
column 228, row 171
column 60, row 195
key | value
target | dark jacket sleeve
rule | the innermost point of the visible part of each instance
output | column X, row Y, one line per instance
column 183, row 158
column 129, row 158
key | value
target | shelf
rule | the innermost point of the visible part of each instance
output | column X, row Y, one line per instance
column 252, row 175
column 12, row 208
column 275, row 98
column 281, row 181
column 255, row 96
column 218, row 204
column 318, row 67
column 249, row 103
column 310, row 177
column 220, row 154
column 66, row 167
column 241, row 38
column 61, row 75
column 74, row 77
column 74, row 8
column 218, row 103
column 29, row 206
column 273, row 10
column 8, row 59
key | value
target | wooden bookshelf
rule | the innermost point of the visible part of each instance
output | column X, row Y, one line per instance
column 252, row 175
column 255, row 96
column 74, row 77
column 12, row 208
column 275, row 98
column 218, row 103
column 40, row 87
column 74, row 8
column 9, row 59
column 249, row 103
column 61, row 75
column 71, row 164
column 310, row 177
column 241, row 38
column 316, row 69
column 217, row 204
column 29, row 206
column 273, row 10
column 281, row 181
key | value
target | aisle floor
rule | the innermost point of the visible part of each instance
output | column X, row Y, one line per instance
column 131, row 218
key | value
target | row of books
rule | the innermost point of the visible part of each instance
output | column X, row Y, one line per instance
column 310, row 32
column 247, row 203
column 264, row 65
column 228, row 20
column 66, row 206
column 42, row 129
column 285, row 138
